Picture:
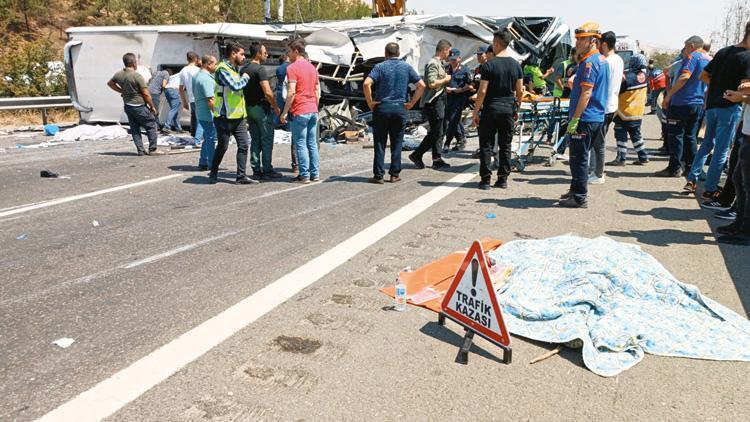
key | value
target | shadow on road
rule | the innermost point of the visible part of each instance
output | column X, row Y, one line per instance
column 446, row 335
column 659, row 196
column 520, row 203
column 666, row 237
column 668, row 214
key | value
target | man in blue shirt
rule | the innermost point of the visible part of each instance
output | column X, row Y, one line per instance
column 459, row 89
column 684, row 104
column 389, row 106
column 588, row 101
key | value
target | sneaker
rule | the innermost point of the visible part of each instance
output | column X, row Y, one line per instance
column 728, row 229
column 476, row 154
column 273, row 175
column 572, row 203
column 394, row 179
column 418, row 163
column 202, row 167
column 668, row 173
column 213, row 178
column 501, row 183
column 301, row 180
column 376, row 180
column 156, row 152
column 440, row 164
column 257, row 176
column 689, row 187
column 315, row 179
column 593, row 180
column 244, row 180
column 484, row 186
column 616, row 163
column 562, row 157
column 641, row 162
column 565, row 196
column 710, row 194
column 142, row 153
column 295, row 170
column 726, row 215
column 715, row 205
column 739, row 239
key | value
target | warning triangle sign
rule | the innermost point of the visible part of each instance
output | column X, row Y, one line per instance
column 471, row 302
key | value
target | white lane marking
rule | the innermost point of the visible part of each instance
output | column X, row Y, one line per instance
column 110, row 395
column 32, row 207
column 158, row 257
column 175, row 251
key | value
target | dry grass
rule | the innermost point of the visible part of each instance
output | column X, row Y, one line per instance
column 14, row 119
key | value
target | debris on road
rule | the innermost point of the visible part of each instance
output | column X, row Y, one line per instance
column 491, row 216
column 547, row 355
column 22, row 237
column 48, row 174
column 95, row 223
column 51, row 130
column 64, row 342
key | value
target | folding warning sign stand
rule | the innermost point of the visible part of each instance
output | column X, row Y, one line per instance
column 471, row 302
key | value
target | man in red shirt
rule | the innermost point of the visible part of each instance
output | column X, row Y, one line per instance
column 302, row 101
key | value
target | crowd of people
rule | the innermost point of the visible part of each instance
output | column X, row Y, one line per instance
column 234, row 98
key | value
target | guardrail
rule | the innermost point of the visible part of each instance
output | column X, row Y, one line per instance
column 35, row 103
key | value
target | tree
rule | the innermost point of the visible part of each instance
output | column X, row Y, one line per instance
column 25, row 68
column 735, row 16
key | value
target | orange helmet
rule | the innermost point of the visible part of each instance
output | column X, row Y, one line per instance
column 588, row 29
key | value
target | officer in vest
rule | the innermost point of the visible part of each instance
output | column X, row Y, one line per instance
column 230, row 114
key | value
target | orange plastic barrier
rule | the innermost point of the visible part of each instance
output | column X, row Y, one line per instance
column 437, row 275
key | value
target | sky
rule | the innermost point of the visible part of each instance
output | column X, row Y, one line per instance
column 660, row 23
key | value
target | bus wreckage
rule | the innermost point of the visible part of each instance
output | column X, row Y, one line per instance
column 344, row 52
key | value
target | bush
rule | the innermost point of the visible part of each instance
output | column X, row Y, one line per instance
column 28, row 68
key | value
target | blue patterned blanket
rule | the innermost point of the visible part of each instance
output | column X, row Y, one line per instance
column 615, row 298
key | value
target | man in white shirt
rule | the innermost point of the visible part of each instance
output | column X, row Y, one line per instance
column 186, row 88
column 616, row 72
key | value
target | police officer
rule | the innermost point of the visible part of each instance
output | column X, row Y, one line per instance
column 588, row 100
column 459, row 89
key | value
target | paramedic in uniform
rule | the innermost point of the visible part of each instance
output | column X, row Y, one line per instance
column 588, row 100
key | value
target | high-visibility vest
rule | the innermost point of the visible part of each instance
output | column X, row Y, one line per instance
column 557, row 91
column 228, row 103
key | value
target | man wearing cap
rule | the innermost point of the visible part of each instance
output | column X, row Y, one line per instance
column 433, row 105
column 588, row 100
column 684, row 104
column 458, row 90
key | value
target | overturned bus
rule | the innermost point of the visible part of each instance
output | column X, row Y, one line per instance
column 343, row 51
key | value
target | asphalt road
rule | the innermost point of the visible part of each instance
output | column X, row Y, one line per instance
column 172, row 253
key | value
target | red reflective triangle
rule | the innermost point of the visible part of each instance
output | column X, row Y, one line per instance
column 471, row 299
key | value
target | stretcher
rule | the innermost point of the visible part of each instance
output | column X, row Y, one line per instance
column 539, row 120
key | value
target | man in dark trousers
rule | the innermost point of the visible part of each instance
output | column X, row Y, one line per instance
column 391, row 79
column 500, row 93
column 458, row 90
column 738, row 232
column 588, row 101
column 230, row 113
column 139, row 106
column 433, row 104
column 684, row 103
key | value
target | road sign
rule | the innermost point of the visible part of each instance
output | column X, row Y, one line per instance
column 470, row 301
